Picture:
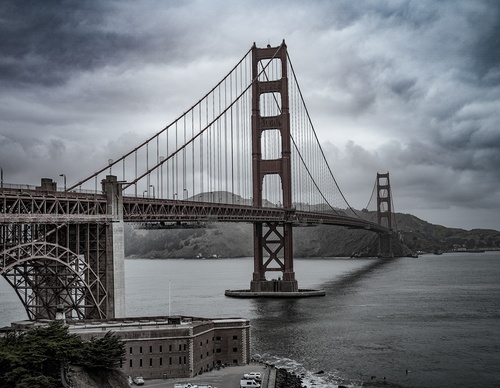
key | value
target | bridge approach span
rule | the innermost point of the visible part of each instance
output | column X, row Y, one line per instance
column 37, row 206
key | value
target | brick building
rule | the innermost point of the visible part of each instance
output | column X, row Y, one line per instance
column 171, row 347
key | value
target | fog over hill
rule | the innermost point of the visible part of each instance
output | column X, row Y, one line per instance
column 236, row 240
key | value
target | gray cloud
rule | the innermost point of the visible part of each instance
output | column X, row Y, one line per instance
column 410, row 87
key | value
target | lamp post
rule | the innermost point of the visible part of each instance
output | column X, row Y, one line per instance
column 187, row 193
column 143, row 193
column 153, row 190
column 64, row 178
column 1, row 177
column 175, row 196
column 110, row 162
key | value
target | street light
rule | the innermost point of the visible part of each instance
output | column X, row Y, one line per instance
column 1, row 177
column 64, row 176
column 144, row 192
column 153, row 190
column 187, row 193
column 175, row 195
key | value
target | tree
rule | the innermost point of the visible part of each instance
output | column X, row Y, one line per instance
column 106, row 352
column 36, row 357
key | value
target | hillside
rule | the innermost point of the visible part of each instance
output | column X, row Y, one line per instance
column 236, row 240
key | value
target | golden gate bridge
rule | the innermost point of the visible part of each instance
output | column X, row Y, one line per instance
column 245, row 152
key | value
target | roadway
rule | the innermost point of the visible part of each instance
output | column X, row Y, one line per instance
column 228, row 377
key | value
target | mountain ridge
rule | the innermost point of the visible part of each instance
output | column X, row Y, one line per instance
column 236, row 240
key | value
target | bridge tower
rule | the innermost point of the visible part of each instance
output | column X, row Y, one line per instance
column 384, row 214
column 273, row 247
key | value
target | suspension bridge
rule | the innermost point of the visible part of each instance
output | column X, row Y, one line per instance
column 245, row 152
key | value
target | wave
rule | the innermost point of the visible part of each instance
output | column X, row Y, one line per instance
column 310, row 379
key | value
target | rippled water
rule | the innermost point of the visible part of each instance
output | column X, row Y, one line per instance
column 433, row 321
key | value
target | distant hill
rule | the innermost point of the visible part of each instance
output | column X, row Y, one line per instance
column 236, row 240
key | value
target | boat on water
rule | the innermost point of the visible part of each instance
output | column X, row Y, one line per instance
column 202, row 257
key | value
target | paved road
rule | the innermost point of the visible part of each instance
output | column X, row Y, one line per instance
column 228, row 377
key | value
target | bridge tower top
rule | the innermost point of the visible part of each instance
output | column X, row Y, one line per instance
column 384, row 200
column 270, row 112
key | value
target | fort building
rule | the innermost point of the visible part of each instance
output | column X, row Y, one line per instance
column 169, row 347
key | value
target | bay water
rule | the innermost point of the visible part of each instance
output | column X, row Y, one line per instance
column 431, row 321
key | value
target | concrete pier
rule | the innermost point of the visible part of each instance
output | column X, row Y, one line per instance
column 301, row 293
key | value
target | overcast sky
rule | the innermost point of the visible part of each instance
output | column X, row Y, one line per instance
column 409, row 87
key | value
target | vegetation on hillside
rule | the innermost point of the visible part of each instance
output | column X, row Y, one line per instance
column 35, row 358
column 236, row 240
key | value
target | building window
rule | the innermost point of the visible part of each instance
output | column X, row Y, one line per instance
column 184, row 346
column 170, row 360
column 207, row 340
column 130, row 350
column 201, row 356
column 180, row 360
column 169, row 348
column 150, row 362
column 218, row 350
column 161, row 348
column 235, row 337
column 161, row 361
column 235, row 350
column 150, row 349
column 180, row 347
column 130, row 364
column 140, row 363
column 140, row 350
column 218, row 338
column 184, row 359
column 201, row 343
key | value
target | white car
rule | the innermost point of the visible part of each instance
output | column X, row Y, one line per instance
column 253, row 375
column 138, row 380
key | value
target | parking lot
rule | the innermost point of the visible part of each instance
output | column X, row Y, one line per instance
column 228, row 377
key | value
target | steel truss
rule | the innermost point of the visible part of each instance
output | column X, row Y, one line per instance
column 50, row 265
column 39, row 206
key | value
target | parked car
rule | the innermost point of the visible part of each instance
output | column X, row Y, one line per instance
column 138, row 380
column 253, row 375
column 249, row 383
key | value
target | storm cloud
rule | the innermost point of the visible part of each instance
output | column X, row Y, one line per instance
column 410, row 87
